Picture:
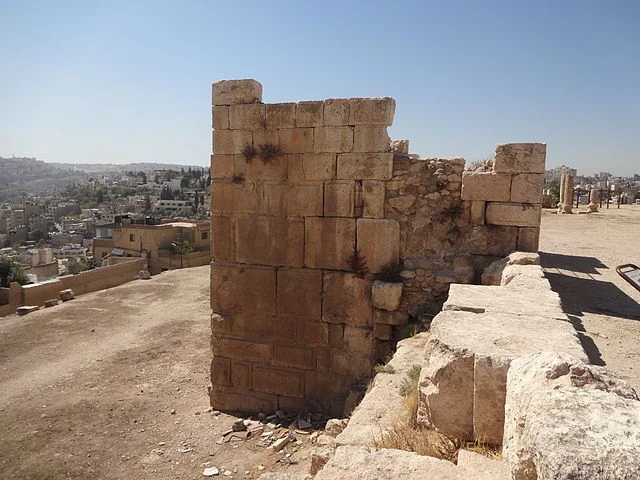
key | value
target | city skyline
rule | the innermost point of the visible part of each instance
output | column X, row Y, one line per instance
column 124, row 83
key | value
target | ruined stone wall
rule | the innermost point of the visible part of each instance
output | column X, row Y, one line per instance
column 309, row 201
column 295, row 323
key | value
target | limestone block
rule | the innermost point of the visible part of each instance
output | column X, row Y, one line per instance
column 263, row 137
column 66, row 295
column 492, row 275
column 329, row 242
column 300, row 292
column 319, row 385
column 528, row 239
column 399, row 319
column 527, row 187
column 339, row 198
column 383, row 331
column 270, row 240
column 222, row 166
column 379, row 242
column 462, row 387
column 311, row 333
column 296, row 140
column 333, row 139
column 370, row 138
column 521, row 275
column 297, row 357
column 319, row 166
column 223, row 242
column 365, row 166
column 224, row 398
column 399, row 146
column 515, row 214
column 235, row 198
column 305, row 199
column 518, row 301
column 257, row 326
column 230, row 92
column 336, row 112
column 240, row 288
column 26, row 309
column 566, row 419
column 242, row 350
column 281, row 115
column 520, row 158
column 356, row 356
column 346, row 299
column 247, row 117
column 220, row 117
column 486, row 186
column 386, row 295
column 477, row 212
column 371, row 111
column 310, row 114
column 220, row 371
column 256, row 170
column 52, row 302
column 231, row 142
column 494, row 240
column 277, row 381
column 373, row 193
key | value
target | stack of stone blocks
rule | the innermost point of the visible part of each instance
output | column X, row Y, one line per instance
column 294, row 326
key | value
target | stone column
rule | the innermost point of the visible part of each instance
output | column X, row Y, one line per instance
column 594, row 193
column 567, row 206
column 561, row 202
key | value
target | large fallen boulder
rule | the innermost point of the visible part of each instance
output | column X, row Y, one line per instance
column 569, row 420
column 462, row 387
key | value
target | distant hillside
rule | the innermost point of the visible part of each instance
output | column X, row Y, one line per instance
column 111, row 168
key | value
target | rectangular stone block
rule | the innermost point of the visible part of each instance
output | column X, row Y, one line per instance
column 247, row 117
column 333, row 139
column 270, row 240
column 241, row 375
column 243, row 350
column 513, row 214
column 336, row 112
column 385, row 317
column 226, row 399
column 278, row 381
column 370, row 138
column 231, row 142
column 263, row 137
column 371, row 111
column 256, row 170
column 222, row 238
column 310, row 114
column 355, row 362
column 222, row 166
column 477, row 208
column 346, row 299
column 305, row 199
column 382, row 331
column 329, row 242
column 486, row 186
column 281, row 115
column 311, row 333
column 494, row 240
column 379, row 242
column 296, row 357
column 222, row 197
column 373, row 194
column 527, row 187
column 365, row 166
column 326, row 385
column 319, row 166
column 339, row 198
column 220, row 371
column 489, row 394
column 220, row 117
column 260, row 327
column 235, row 198
column 296, row 140
column 229, row 92
column 240, row 288
column 520, row 158
column 300, row 292
column 528, row 239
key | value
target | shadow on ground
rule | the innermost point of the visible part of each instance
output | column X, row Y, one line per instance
column 582, row 295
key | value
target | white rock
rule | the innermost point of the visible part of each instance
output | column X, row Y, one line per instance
column 386, row 295
column 210, row 472
column 492, row 275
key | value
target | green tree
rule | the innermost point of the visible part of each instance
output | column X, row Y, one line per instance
column 147, row 204
column 75, row 266
column 554, row 193
column 10, row 271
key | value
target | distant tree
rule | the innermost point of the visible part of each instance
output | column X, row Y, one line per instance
column 38, row 235
column 10, row 271
column 196, row 202
column 75, row 266
column 185, row 182
column 147, row 204
column 554, row 193
column 100, row 196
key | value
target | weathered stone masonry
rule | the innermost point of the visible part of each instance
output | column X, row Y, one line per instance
column 294, row 325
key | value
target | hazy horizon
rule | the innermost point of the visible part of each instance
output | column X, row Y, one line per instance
column 131, row 82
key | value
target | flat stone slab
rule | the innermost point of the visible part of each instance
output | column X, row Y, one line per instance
column 566, row 420
column 520, row 301
column 25, row 310
column 463, row 386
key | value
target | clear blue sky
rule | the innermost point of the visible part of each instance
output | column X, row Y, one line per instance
column 131, row 81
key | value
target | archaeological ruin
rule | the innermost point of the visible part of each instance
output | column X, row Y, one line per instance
column 312, row 207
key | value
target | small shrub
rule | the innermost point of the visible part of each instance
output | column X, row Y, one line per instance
column 249, row 152
column 238, row 178
column 410, row 381
column 268, row 152
column 390, row 272
column 357, row 263
column 384, row 369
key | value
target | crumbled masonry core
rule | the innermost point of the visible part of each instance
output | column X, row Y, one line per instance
column 294, row 327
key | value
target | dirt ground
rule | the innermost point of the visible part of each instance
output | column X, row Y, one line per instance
column 112, row 385
column 580, row 253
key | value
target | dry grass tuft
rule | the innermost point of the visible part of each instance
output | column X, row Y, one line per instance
column 491, row 451
column 420, row 440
